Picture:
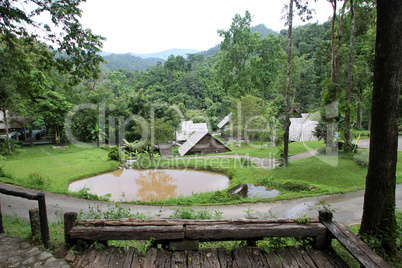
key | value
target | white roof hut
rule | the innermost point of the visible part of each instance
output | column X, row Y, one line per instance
column 188, row 128
column 301, row 129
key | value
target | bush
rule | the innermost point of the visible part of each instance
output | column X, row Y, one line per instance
column 324, row 150
column 36, row 180
column 362, row 159
column 115, row 153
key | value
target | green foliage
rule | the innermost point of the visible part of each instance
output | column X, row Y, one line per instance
column 37, row 181
column 361, row 158
column 84, row 193
column 115, row 153
column 324, row 150
column 190, row 213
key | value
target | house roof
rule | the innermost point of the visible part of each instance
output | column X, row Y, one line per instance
column 188, row 128
column 13, row 120
column 224, row 121
column 194, row 140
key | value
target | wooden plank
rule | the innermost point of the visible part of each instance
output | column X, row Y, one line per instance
column 257, row 256
column 169, row 222
column 128, row 233
column 272, row 259
column 253, row 231
column 363, row 254
column 306, row 257
column 132, row 259
column 297, row 255
column 286, row 258
column 225, row 260
column 87, row 258
column 179, row 259
column 102, row 258
column 210, row 258
column 319, row 259
column 150, row 258
column 241, row 259
column 194, row 259
column 163, row 259
column 334, row 259
column 19, row 194
column 117, row 259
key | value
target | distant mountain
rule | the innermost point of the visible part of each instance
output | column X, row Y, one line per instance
column 132, row 61
column 165, row 54
column 263, row 30
column 129, row 62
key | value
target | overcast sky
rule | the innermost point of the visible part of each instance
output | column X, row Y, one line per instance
column 146, row 26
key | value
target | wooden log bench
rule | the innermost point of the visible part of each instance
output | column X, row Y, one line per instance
column 180, row 235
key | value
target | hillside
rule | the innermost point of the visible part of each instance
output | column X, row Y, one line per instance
column 129, row 62
column 142, row 62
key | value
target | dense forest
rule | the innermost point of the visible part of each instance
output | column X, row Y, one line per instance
column 247, row 68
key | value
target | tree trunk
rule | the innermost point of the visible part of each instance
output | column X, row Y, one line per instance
column 379, row 200
column 288, row 74
column 330, row 119
column 350, row 77
column 359, row 112
column 7, row 132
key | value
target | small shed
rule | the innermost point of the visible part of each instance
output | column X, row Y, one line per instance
column 188, row 128
column 225, row 121
column 202, row 143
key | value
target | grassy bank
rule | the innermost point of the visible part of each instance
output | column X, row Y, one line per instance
column 254, row 148
column 48, row 169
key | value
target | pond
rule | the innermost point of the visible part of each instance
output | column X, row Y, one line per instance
column 155, row 184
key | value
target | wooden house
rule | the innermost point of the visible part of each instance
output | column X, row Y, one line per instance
column 202, row 143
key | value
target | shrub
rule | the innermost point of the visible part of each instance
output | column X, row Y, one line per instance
column 362, row 159
column 324, row 150
column 36, row 180
column 115, row 153
column 246, row 162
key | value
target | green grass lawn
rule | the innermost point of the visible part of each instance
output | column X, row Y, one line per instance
column 48, row 169
column 254, row 148
column 51, row 170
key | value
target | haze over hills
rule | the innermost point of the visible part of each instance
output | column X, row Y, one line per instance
column 141, row 62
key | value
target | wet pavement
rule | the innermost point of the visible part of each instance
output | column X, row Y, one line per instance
column 15, row 253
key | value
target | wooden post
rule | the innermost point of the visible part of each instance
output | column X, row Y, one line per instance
column 70, row 219
column 1, row 221
column 44, row 227
column 35, row 223
column 325, row 241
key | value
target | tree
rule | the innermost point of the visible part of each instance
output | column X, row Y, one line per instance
column 378, row 219
column 302, row 10
column 350, row 78
column 77, row 47
column 238, row 46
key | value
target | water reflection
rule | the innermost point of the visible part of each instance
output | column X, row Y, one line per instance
column 155, row 184
column 144, row 185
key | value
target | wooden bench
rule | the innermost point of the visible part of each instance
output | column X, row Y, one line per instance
column 186, row 234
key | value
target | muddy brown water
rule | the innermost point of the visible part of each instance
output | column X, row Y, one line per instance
column 146, row 185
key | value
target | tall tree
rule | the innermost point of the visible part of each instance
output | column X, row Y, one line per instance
column 288, row 74
column 78, row 47
column 379, row 200
column 305, row 14
column 350, row 77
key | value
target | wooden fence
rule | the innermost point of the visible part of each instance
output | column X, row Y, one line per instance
column 186, row 234
column 40, row 197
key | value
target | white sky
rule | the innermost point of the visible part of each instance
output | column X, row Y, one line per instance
column 146, row 26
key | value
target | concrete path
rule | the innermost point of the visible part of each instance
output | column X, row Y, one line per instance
column 14, row 252
column 365, row 143
column 348, row 206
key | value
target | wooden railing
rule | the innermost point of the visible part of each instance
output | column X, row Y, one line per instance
column 40, row 197
column 186, row 234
